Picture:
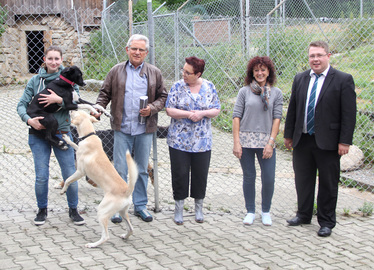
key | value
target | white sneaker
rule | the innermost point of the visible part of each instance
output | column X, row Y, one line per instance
column 266, row 219
column 249, row 218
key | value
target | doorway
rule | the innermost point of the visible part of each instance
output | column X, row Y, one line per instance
column 35, row 50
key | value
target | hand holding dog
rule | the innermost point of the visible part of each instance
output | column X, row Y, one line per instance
column 34, row 122
column 50, row 99
column 97, row 114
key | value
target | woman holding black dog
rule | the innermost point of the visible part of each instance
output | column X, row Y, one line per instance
column 40, row 148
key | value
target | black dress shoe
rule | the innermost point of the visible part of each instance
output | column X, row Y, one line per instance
column 324, row 232
column 296, row 221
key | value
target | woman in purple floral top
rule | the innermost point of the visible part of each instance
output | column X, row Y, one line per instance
column 191, row 103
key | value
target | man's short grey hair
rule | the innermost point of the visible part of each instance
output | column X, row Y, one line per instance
column 138, row 37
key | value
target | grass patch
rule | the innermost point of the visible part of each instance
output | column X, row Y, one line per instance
column 366, row 209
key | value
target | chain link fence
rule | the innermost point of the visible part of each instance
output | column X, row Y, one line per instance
column 224, row 33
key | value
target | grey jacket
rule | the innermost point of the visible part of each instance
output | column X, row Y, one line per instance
column 250, row 109
column 113, row 89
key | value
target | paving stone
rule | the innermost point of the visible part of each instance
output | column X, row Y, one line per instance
column 221, row 242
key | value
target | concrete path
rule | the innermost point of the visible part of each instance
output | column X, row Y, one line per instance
column 221, row 242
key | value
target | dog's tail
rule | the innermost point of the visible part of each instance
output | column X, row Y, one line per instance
column 133, row 173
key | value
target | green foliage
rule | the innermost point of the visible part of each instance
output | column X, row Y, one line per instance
column 359, row 31
column 297, row 9
column 347, row 182
column 288, row 43
column 140, row 12
column 3, row 15
column 225, row 210
column 346, row 212
column 174, row 2
column 99, row 58
column 5, row 149
column 364, row 134
column 315, row 208
column 224, row 120
column 367, row 209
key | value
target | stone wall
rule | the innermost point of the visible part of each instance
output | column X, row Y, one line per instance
column 13, row 47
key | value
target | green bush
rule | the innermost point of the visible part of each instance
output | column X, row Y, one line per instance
column 3, row 15
column 355, row 33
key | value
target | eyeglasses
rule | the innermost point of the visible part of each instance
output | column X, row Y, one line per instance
column 318, row 56
column 186, row 72
column 133, row 49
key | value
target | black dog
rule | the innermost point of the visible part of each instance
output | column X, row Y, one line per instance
column 63, row 87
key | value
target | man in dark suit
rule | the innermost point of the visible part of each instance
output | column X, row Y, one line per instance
column 319, row 126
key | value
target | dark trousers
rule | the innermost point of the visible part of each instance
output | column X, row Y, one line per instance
column 307, row 159
column 182, row 163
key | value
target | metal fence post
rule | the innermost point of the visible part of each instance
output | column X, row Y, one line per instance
column 152, row 61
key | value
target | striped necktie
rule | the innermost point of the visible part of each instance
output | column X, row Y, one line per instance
column 311, row 103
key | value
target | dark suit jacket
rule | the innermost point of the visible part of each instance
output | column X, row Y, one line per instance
column 335, row 112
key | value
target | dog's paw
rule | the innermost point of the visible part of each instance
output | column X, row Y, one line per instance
column 62, row 192
column 65, row 137
column 126, row 236
column 63, row 146
column 107, row 114
column 102, row 110
column 90, row 245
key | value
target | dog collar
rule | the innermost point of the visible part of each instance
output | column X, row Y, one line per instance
column 85, row 137
column 67, row 80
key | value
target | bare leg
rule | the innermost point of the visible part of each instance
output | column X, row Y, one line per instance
column 125, row 214
column 105, row 210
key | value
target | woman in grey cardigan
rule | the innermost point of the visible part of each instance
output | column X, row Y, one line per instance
column 256, row 119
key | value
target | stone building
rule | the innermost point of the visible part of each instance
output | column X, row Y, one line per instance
column 30, row 26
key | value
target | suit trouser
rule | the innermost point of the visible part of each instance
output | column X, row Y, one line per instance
column 182, row 164
column 307, row 159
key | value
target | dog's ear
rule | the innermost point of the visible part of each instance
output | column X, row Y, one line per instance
column 65, row 71
column 71, row 70
column 93, row 119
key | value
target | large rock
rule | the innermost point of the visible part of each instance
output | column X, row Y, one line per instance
column 353, row 160
column 93, row 85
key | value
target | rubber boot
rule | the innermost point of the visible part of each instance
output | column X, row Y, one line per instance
column 178, row 212
column 199, row 216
